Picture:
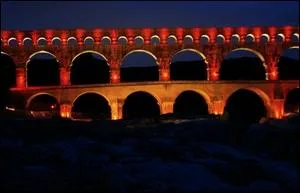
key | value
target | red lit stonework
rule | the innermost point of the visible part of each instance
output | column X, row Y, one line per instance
column 165, row 90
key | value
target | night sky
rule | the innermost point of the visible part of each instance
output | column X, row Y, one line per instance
column 30, row 15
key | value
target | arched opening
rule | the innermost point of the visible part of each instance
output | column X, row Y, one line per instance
column 292, row 101
column 243, row 64
column 245, row 106
column 43, row 70
column 91, row 105
column 188, row 64
column 140, row 105
column 288, row 65
column 190, row 103
column 89, row 68
column 139, row 66
column 8, row 71
column 43, row 106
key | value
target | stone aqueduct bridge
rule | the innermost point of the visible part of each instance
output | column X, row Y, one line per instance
column 213, row 44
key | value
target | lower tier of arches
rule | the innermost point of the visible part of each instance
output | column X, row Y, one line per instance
column 182, row 100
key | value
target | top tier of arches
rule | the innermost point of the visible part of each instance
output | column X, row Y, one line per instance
column 150, row 36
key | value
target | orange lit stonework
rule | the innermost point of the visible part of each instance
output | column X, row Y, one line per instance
column 65, row 110
column 165, row 91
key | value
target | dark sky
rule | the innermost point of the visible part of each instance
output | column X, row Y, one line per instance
column 29, row 15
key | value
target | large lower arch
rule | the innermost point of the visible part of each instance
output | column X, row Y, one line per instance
column 140, row 104
column 190, row 103
column 43, row 105
column 89, row 67
column 188, row 64
column 91, row 105
column 42, row 69
column 247, row 105
column 292, row 101
column 139, row 66
column 288, row 65
column 243, row 64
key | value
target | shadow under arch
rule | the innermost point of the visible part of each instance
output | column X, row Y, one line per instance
column 138, row 66
column 191, row 66
column 94, row 105
column 44, row 70
column 141, row 104
column 234, row 68
column 36, row 95
column 8, row 71
column 89, row 67
column 288, row 64
column 43, row 105
column 292, row 101
column 191, row 103
column 241, row 108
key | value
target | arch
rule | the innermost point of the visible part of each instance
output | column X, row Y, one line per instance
column 295, row 38
column 39, row 40
column 204, row 39
column 253, row 51
column 220, row 39
column 89, row 51
column 280, row 38
column 54, row 39
column 96, row 106
column 43, row 71
column 29, row 100
column 190, row 50
column 88, row 41
column 43, row 106
column 188, row 40
column 27, row 39
column 85, row 68
column 235, row 39
column 139, row 65
column 188, row 68
column 172, row 40
column 246, row 111
column 245, row 67
column 139, row 41
column 264, row 38
column 141, row 104
column 12, row 39
column 292, row 101
column 40, row 52
column 191, row 102
column 122, row 40
column 72, row 42
column 250, row 38
column 155, row 40
column 105, row 40
column 288, row 64
column 143, row 51
column 91, row 92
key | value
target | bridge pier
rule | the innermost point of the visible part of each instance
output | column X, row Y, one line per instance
column 20, row 78
column 278, row 108
column 217, row 107
column 65, row 110
column 166, row 106
column 115, row 76
column 117, row 109
column 64, row 77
